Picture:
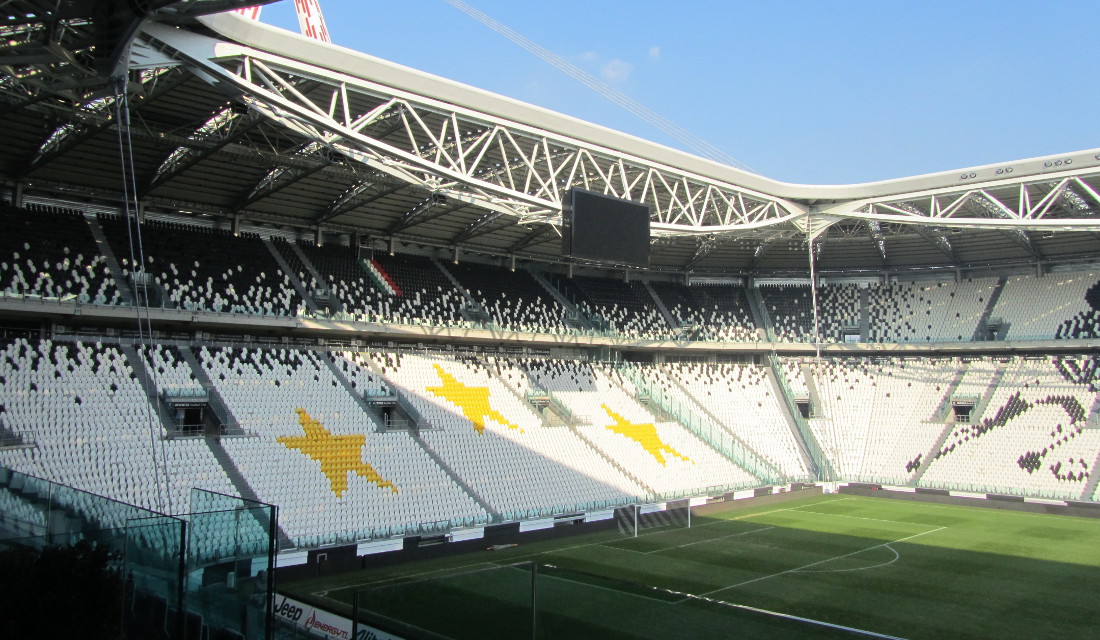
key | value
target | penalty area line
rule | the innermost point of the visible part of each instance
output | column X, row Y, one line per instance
column 688, row 544
column 819, row 562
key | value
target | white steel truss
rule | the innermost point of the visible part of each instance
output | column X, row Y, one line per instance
column 1069, row 200
column 517, row 170
column 506, row 166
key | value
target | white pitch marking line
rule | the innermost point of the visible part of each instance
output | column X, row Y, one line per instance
column 688, row 544
column 457, row 570
column 814, row 564
column 580, row 546
column 841, row 515
column 897, row 556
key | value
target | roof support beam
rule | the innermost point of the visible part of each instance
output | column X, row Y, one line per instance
column 87, row 124
column 420, row 213
column 703, row 246
column 536, row 236
column 353, row 199
column 484, row 224
column 193, row 155
column 1023, row 240
column 273, row 183
column 939, row 241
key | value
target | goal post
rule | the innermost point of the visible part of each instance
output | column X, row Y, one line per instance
column 633, row 519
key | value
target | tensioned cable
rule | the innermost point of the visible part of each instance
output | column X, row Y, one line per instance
column 137, row 251
column 692, row 141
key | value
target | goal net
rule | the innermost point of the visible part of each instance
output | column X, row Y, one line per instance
column 638, row 518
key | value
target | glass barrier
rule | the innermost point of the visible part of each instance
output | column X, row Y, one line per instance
column 528, row 600
column 205, row 574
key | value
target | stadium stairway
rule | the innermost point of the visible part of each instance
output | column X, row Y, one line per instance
column 864, row 315
column 941, row 411
column 217, row 405
column 756, row 307
column 811, row 386
column 333, row 300
column 244, row 489
column 481, row 314
column 927, row 458
column 949, row 426
column 307, row 296
column 577, row 319
column 482, row 502
column 665, row 313
column 148, row 385
column 979, row 408
column 1089, row 492
column 112, row 262
column 339, row 376
column 803, row 435
column 994, row 296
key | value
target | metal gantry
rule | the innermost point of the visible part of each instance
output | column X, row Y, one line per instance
column 481, row 164
column 505, row 166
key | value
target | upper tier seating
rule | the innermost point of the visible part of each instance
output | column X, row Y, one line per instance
column 423, row 293
column 717, row 311
column 514, row 300
column 209, row 270
column 51, row 253
column 625, row 308
column 790, row 310
column 928, row 311
column 345, row 278
column 1058, row 305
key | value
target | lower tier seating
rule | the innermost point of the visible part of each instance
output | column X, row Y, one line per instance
column 503, row 438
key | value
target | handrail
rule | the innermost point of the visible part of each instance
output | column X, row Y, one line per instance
column 714, row 435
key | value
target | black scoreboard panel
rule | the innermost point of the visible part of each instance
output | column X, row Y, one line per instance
column 605, row 229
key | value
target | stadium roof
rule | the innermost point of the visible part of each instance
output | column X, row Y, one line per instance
column 233, row 118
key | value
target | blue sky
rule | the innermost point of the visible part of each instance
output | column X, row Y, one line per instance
column 809, row 92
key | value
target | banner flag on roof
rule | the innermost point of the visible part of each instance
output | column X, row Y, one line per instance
column 310, row 20
column 252, row 13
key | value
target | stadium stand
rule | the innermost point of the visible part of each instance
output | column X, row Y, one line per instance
column 928, row 311
column 716, row 312
column 345, row 277
column 306, row 421
column 790, row 311
column 1032, row 437
column 1058, row 305
column 742, row 399
column 875, row 418
column 514, row 300
column 419, row 292
column 883, row 420
column 234, row 274
column 497, row 443
column 621, row 308
column 50, row 253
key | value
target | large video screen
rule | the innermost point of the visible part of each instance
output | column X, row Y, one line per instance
column 605, row 229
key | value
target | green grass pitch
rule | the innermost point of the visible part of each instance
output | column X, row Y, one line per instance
column 890, row 567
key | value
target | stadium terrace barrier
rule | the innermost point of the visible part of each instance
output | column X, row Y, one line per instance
column 1075, row 508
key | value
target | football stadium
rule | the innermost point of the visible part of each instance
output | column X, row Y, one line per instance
column 296, row 342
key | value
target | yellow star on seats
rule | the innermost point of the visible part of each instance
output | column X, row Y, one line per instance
column 644, row 434
column 474, row 401
column 338, row 455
